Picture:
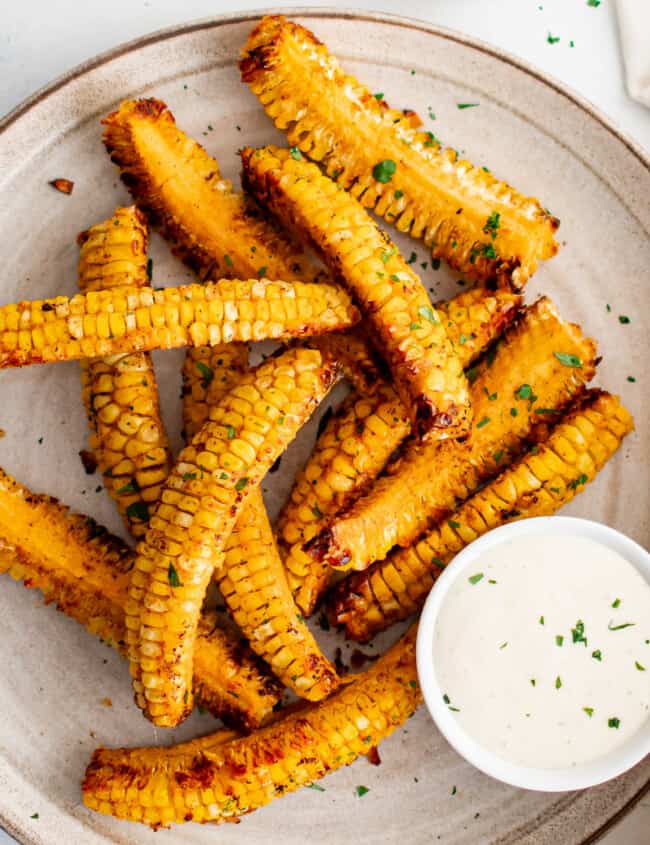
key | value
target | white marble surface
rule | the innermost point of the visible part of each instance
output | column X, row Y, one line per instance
column 40, row 39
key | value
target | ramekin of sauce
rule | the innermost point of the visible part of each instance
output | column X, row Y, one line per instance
column 533, row 653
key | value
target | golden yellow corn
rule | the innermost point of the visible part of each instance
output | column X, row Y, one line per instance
column 247, row 431
column 217, row 778
column 483, row 227
column 411, row 335
column 218, row 232
column 85, row 570
column 120, row 394
column 252, row 579
column 537, row 367
column 537, row 485
column 254, row 586
column 361, row 436
column 103, row 323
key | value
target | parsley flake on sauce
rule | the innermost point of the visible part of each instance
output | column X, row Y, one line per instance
column 384, row 170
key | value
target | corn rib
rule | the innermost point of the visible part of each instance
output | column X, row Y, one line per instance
column 120, row 394
column 85, row 570
column 535, row 370
column 106, row 322
column 540, row 483
column 253, row 582
column 483, row 227
column 361, row 436
column 217, row 779
column 427, row 372
column 247, row 431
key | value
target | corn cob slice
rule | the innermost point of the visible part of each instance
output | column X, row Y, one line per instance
column 106, row 322
column 120, row 393
column 246, row 433
column 360, row 438
column 214, row 779
column 543, row 480
column 254, row 586
column 217, row 231
column 427, row 372
column 481, row 226
column 84, row 570
column 538, row 366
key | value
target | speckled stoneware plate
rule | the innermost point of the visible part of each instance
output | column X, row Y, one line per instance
column 531, row 132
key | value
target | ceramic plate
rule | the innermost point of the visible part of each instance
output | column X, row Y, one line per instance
column 528, row 130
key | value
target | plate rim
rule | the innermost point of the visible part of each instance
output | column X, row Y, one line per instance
column 345, row 13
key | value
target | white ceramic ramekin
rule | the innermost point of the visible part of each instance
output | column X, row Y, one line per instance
column 548, row 780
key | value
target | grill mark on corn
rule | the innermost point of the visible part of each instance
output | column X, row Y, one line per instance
column 200, row 503
column 84, row 570
column 537, row 485
column 412, row 336
column 430, row 479
column 432, row 194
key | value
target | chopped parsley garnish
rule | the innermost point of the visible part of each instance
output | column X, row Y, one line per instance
column 361, row 791
column 533, row 682
column 541, row 620
column 497, row 456
column 558, row 682
column 616, row 603
column 138, row 510
column 413, row 257
column 189, row 476
column 427, row 312
column 524, row 391
column 589, row 711
column 491, row 581
column 593, row 3
column 316, row 786
column 474, row 579
column 492, row 224
column 453, row 790
column 398, row 195
column 432, row 114
column 623, row 319
column 552, row 39
column 631, row 379
column 446, row 698
column 323, row 622
column 261, row 272
column 482, row 422
column 611, row 627
column 513, row 412
column 378, row 96
column 453, row 524
column 613, row 722
column 150, row 268
column 130, row 487
column 546, row 411
column 241, row 484
column 467, row 105
column 639, row 666
column 172, row 576
column 413, row 684
column 228, row 260
column 383, row 171
column 578, row 633
column 559, row 639
column 568, row 359
column 431, row 140
column 394, row 277
column 386, row 254
column 317, row 512
column 34, row 816
column 206, row 372
column 489, row 251
column 230, row 432
column 295, row 153
column 471, row 374
column 502, row 646
column 597, row 655
column 581, row 479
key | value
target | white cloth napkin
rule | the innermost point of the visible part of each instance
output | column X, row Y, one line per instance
column 634, row 26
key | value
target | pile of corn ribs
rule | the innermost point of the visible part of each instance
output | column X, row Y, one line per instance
column 462, row 415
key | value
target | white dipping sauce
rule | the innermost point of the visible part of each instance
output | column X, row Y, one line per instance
column 510, row 654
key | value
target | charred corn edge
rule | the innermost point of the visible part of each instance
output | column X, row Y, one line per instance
column 120, row 394
column 247, row 430
column 540, row 483
column 254, row 586
column 212, row 228
column 215, row 780
column 425, row 367
column 334, row 119
column 365, row 431
column 359, row 361
column 409, row 490
column 208, row 373
column 107, row 322
column 83, row 569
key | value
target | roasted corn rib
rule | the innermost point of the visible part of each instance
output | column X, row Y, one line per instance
column 361, row 436
column 412, row 336
column 537, row 485
column 253, row 581
column 84, row 570
column 483, row 227
column 528, row 379
column 217, row 779
column 106, row 322
column 246, row 432
column 120, row 394
column 359, row 360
